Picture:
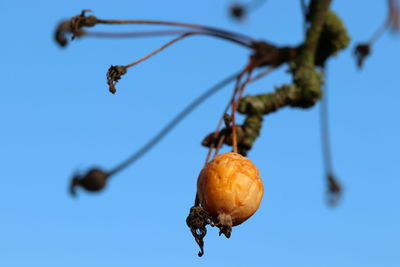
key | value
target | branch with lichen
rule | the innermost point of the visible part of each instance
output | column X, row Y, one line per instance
column 326, row 35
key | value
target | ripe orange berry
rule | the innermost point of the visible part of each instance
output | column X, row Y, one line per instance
column 230, row 189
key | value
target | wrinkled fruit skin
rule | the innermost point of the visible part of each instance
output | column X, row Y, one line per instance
column 230, row 187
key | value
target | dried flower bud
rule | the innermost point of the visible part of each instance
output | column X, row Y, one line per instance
column 80, row 21
column 74, row 27
column 61, row 31
column 94, row 180
column 335, row 190
column 210, row 140
column 237, row 11
column 361, row 52
column 114, row 75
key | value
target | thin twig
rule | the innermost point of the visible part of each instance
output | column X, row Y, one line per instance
column 159, row 49
column 219, row 145
column 216, row 132
column 324, row 126
column 235, row 105
column 253, row 5
column 209, row 151
column 334, row 188
column 262, row 74
column 232, row 36
column 233, row 126
column 98, row 34
column 378, row 33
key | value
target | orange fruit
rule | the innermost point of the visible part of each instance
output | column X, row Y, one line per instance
column 230, row 189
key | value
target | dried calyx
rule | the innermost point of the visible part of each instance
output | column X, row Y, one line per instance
column 197, row 221
column 74, row 27
column 114, row 74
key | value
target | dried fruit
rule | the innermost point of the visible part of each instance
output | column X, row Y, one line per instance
column 230, row 189
column 94, row 180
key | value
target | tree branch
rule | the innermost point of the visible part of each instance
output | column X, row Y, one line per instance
column 325, row 36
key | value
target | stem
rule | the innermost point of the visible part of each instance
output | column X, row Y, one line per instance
column 159, row 49
column 325, row 136
column 233, row 129
column 219, row 145
column 209, row 151
column 262, row 74
column 216, row 132
column 171, row 125
column 148, row 34
column 379, row 32
column 251, row 6
column 97, row 34
column 235, row 105
column 334, row 189
column 232, row 36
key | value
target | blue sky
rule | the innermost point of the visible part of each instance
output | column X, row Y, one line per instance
column 57, row 118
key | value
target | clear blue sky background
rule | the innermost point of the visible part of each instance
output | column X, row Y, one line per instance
column 57, row 117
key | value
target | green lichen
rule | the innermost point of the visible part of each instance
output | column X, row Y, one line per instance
column 333, row 38
column 251, row 128
column 308, row 80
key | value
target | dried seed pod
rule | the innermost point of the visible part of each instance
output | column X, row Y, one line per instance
column 60, row 35
column 362, row 51
column 230, row 189
column 114, row 74
column 237, row 11
column 94, row 180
